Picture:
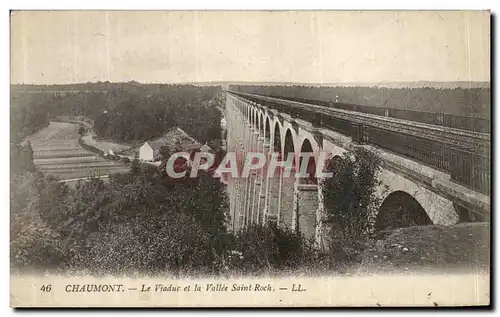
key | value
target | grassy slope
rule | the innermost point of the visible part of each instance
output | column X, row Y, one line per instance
column 455, row 248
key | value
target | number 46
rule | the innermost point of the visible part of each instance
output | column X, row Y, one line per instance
column 46, row 288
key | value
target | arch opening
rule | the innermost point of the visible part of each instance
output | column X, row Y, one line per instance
column 274, row 197
column 288, row 218
column 267, row 130
column 261, row 124
column 400, row 210
column 468, row 215
column 333, row 164
column 306, row 150
column 277, row 139
column 289, row 148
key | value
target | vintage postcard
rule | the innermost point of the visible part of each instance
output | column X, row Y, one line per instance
column 250, row 158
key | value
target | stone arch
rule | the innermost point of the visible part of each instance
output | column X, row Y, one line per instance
column 468, row 215
column 307, row 200
column 333, row 161
column 289, row 145
column 306, row 135
column 333, row 149
column 400, row 209
column 261, row 123
column 256, row 119
column 267, row 129
column 438, row 208
column 305, row 148
column 267, row 151
column 274, row 181
column 276, row 137
column 336, row 160
column 252, row 116
column 255, row 116
column 287, row 129
column 287, row 206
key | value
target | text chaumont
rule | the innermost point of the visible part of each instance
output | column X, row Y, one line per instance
column 94, row 288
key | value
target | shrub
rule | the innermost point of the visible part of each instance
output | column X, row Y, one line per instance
column 147, row 246
column 260, row 248
column 34, row 244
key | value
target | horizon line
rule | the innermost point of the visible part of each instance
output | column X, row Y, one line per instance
column 220, row 82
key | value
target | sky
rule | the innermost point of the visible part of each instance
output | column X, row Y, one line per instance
column 60, row 47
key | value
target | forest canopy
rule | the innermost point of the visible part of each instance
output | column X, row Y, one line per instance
column 123, row 112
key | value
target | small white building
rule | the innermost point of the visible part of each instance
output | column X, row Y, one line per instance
column 176, row 140
column 150, row 150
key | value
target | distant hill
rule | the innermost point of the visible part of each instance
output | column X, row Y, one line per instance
column 415, row 84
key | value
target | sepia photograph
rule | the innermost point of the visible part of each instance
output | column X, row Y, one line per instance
column 273, row 158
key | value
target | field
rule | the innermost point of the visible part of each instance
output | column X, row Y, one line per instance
column 90, row 137
column 56, row 152
column 103, row 145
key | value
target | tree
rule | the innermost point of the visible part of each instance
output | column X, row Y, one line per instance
column 164, row 152
column 350, row 198
column 22, row 158
column 149, row 224
column 135, row 167
column 33, row 241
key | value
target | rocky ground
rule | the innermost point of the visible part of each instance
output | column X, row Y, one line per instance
column 462, row 247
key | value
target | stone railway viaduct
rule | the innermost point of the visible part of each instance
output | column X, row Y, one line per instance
column 428, row 172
